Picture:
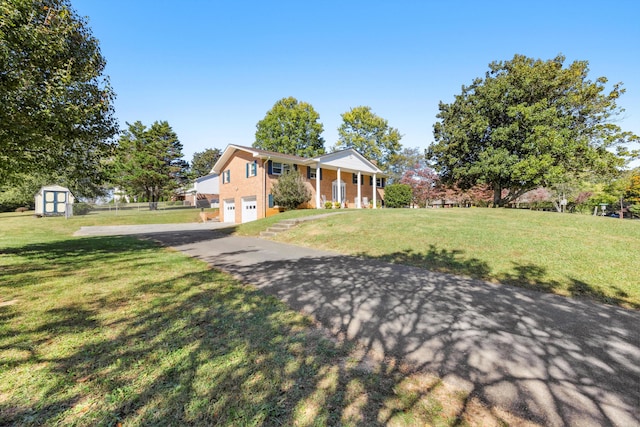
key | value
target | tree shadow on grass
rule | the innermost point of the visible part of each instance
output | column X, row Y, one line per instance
column 196, row 348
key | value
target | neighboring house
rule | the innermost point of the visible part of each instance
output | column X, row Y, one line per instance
column 247, row 175
column 204, row 192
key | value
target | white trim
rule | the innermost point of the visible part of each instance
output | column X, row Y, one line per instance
column 318, row 186
column 375, row 192
column 358, row 202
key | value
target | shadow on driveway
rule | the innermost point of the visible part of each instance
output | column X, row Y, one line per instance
column 550, row 359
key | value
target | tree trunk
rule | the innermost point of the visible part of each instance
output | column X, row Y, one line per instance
column 497, row 196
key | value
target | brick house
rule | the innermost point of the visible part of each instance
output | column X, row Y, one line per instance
column 247, row 175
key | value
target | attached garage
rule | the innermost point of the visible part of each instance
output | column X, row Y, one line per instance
column 229, row 210
column 249, row 208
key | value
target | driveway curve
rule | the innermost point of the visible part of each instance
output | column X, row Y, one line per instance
column 552, row 360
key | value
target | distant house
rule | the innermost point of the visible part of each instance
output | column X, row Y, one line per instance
column 54, row 200
column 248, row 174
column 204, row 191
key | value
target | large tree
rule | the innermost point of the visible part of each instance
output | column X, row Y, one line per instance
column 291, row 127
column 203, row 162
column 529, row 123
column 57, row 107
column 149, row 162
column 370, row 135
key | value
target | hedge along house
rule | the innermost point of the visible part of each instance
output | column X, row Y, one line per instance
column 54, row 200
column 248, row 174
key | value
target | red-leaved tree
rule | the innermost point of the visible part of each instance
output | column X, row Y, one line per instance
column 422, row 181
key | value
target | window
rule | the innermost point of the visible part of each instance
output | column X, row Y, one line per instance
column 380, row 182
column 252, row 168
column 226, row 176
column 312, row 173
column 354, row 180
column 278, row 168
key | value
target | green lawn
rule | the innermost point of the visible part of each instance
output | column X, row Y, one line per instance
column 567, row 254
column 119, row 331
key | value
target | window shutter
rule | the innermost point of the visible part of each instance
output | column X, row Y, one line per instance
column 320, row 174
column 371, row 180
column 308, row 172
column 270, row 200
column 270, row 167
column 246, row 170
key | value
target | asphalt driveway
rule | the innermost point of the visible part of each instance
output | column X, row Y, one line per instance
column 553, row 360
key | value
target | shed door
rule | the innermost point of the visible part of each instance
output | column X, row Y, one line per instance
column 249, row 209
column 229, row 210
column 55, row 202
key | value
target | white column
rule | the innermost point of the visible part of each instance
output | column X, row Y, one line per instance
column 318, row 186
column 375, row 192
column 339, row 188
column 359, row 202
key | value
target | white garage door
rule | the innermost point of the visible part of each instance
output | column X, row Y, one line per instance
column 229, row 207
column 249, row 209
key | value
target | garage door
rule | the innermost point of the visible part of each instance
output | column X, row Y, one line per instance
column 229, row 210
column 249, row 209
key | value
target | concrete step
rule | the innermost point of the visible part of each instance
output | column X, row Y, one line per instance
column 279, row 227
column 267, row 233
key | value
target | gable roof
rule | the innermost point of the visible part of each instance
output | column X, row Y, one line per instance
column 348, row 159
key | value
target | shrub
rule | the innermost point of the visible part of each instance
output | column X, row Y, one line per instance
column 290, row 191
column 328, row 205
column 81, row 208
column 397, row 195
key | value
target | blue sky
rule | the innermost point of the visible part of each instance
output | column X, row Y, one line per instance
column 213, row 69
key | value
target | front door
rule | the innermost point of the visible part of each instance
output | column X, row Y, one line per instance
column 335, row 196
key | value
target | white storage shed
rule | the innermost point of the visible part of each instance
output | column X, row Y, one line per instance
column 54, row 200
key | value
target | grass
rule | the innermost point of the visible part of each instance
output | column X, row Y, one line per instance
column 119, row 331
column 572, row 255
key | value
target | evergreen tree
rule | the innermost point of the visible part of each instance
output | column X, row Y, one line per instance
column 149, row 162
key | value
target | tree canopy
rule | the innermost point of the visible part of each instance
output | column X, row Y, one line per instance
column 409, row 159
column 529, row 123
column 203, row 162
column 148, row 163
column 291, row 127
column 57, row 107
column 370, row 135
